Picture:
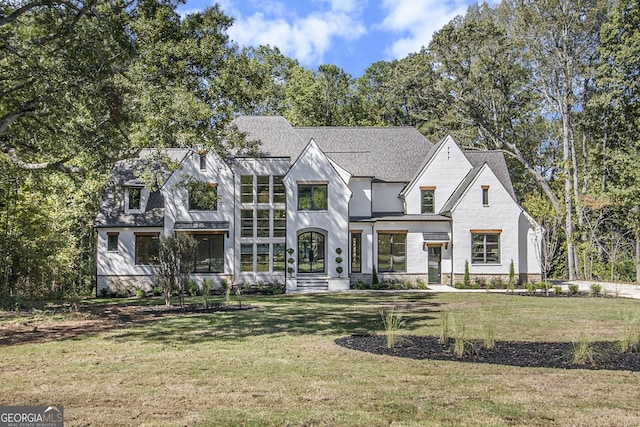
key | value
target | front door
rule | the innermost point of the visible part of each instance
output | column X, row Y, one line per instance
column 311, row 252
column 435, row 257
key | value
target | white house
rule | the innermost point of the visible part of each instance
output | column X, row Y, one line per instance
column 322, row 207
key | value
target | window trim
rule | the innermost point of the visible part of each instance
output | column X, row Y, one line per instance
column 209, row 252
column 152, row 234
column 485, row 233
column 313, row 186
column 129, row 193
column 110, row 246
column 485, row 195
column 358, row 255
column 431, row 189
column 392, row 233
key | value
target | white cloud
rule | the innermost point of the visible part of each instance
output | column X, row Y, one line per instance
column 306, row 38
column 418, row 20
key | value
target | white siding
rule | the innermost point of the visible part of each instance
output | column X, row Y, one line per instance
column 445, row 171
column 385, row 197
column 360, row 203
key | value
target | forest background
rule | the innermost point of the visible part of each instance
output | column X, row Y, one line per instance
column 554, row 84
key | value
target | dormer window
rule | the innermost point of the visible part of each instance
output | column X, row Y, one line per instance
column 485, row 195
column 133, row 198
column 427, row 199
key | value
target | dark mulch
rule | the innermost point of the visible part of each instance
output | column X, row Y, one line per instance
column 606, row 354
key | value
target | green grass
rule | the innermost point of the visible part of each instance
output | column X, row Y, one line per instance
column 278, row 365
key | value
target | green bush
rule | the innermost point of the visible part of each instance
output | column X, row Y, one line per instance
column 596, row 289
column 573, row 289
column 531, row 288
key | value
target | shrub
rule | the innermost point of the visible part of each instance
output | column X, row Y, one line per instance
column 444, row 326
column 459, row 338
column 595, row 289
column 512, row 274
column 392, row 323
column 630, row 340
column 140, row 293
column 584, row 352
column 573, row 289
column 467, row 276
column 557, row 289
column 531, row 288
column 156, row 291
column 192, row 288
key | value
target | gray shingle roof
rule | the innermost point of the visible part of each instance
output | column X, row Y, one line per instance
column 496, row 162
column 389, row 154
column 111, row 211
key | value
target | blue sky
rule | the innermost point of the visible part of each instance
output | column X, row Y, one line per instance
column 351, row 34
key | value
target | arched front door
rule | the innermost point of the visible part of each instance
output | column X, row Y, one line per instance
column 311, row 252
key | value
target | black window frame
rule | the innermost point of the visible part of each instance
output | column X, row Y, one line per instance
column 113, row 240
column 480, row 245
column 150, row 243
column 312, row 190
column 424, row 207
column 395, row 246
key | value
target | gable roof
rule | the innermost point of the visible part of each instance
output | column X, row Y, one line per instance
column 496, row 162
column 111, row 210
column 462, row 188
column 389, row 154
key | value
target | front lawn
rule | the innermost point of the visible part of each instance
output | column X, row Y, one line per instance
column 277, row 364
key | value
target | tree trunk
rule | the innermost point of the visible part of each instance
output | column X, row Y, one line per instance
column 637, row 255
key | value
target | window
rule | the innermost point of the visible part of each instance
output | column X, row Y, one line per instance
column 279, row 195
column 392, row 252
column 203, row 162
column 427, row 199
column 312, row 197
column 262, row 223
column 134, row 197
column 246, row 223
column 112, row 242
column 278, row 257
column 262, row 259
column 209, row 256
column 263, row 189
column 485, row 195
column 147, row 248
column 279, row 223
column 203, row 196
column 246, row 257
column 246, row 190
column 356, row 252
column 485, row 247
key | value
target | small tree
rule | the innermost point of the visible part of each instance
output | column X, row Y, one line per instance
column 467, row 276
column 175, row 262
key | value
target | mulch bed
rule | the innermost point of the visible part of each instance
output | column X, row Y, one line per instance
column 606, row 354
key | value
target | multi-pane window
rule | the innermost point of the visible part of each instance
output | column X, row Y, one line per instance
column 209, row 256
column 263, row 188
column 485, row 195
column 278, row 257
column 112, row 242
column 356, row 252
column 392, row 252
column 262, row 223
column 262, row 257
column 485, row 247
column 278, row 190
column 246, row 188
column 203, row 196
column 134, row 197
column 427, row 199
column 246, row 257
column 279, row 223
column 246, row 223
column 312, row 197
column 147, row 248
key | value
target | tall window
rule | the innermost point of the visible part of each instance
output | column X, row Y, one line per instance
column 246, row 190
column 485, row 195
column 312, row 197
column 262, row 258
column 278, row 190
column 147, row 248
column 203, row 196
column 246, row 223
column 279, row 223
column 392, row 252
column 209, row 257
column 112, row 242
column 427, row 198
column 278, row 257
column 203, row 162
column 263, row 188
column 485, row 247
column 356, row 252
column 262, row 223
column 134, row 197
column 246, row 257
